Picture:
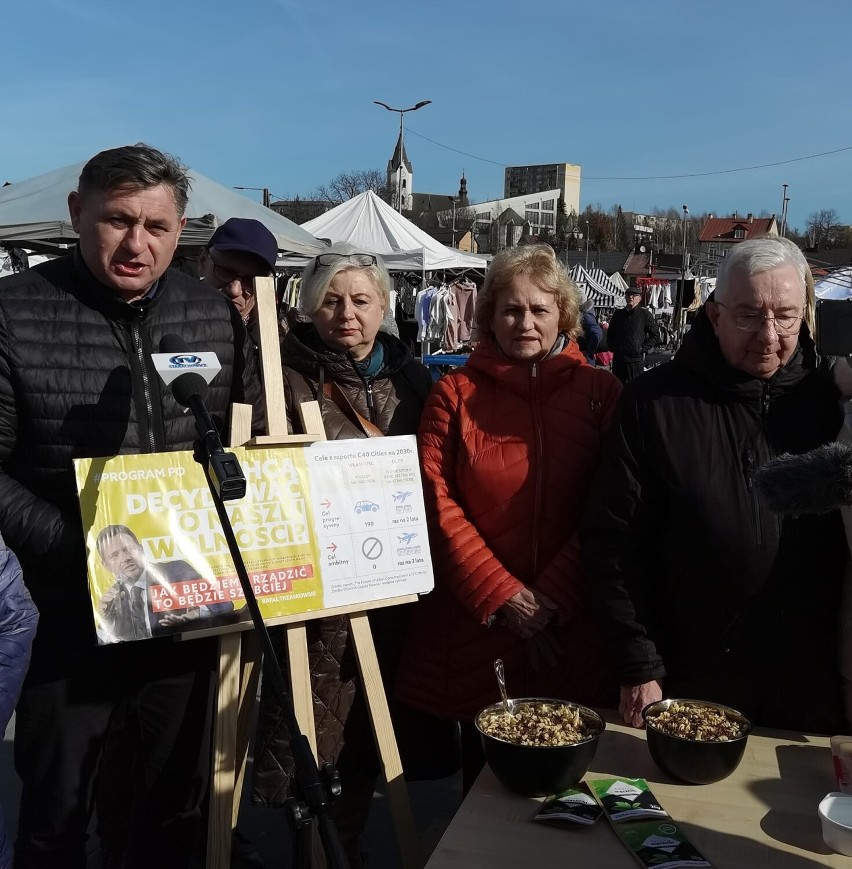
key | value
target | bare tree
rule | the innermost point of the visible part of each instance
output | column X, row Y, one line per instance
column 823, row 227
column 346, row 185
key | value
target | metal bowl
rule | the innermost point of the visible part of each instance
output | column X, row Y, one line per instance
column 539, row 770
column 690, row 760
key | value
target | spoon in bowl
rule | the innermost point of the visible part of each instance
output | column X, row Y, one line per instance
column 508, row 705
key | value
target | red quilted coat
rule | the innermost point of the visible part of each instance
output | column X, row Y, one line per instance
column 508, row 450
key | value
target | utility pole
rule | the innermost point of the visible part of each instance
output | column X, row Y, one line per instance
column 263, row 190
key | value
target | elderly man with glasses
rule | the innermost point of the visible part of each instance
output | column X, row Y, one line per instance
column 703, row 591
column 239, row 251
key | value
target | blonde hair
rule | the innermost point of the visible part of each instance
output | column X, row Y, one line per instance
column 539, row 262
column 316, row 279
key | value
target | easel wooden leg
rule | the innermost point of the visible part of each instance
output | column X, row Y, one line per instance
column 371, row 679
column 303, row 703
column 249, row 678
column 220, row 820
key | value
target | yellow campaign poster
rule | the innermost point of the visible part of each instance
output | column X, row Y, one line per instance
column 158, row 560
column 333, row 524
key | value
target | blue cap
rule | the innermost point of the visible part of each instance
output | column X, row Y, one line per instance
column 248, row 235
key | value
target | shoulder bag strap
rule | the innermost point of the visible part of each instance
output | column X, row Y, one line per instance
column 336, row 395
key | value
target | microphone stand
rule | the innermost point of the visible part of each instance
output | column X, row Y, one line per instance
column 315, row 788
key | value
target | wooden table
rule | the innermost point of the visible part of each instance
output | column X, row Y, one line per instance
column 764, row 815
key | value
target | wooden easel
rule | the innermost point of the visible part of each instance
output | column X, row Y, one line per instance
column 239, row 668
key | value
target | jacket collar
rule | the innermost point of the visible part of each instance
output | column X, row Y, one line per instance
column 303, row 350
column 104, row 298
column 516, row 376
column 701, row 354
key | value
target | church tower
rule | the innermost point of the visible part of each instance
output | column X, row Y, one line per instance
column 400, row 175
column 462, row 200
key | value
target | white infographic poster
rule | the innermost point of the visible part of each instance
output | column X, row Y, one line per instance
column 369, row 518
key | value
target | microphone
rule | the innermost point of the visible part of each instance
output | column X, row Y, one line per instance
column 190, row 389
column 818, row 481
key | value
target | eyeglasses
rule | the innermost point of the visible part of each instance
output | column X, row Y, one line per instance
column 223, row 275
column 364, row 260
column 785, row 325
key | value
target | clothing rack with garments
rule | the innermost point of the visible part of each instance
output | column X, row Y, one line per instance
column 444, row 313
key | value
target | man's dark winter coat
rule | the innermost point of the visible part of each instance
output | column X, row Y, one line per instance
column 697, row 581
column 632, row 333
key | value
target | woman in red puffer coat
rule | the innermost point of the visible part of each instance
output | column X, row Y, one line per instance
column 509, row 446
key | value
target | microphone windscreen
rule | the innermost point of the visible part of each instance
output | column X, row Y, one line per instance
column 188, row 385
column 172, row 344
column 814, row 482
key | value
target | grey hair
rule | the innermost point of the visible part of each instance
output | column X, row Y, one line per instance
column 316, row 278
column 761, row 255
column 135, row 167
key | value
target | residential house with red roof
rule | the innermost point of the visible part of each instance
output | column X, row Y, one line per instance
column 720, row 234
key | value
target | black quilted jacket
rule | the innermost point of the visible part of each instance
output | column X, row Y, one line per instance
column 77, row 380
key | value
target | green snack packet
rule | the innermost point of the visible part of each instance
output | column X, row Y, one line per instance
column 660, row 845
column 573, row 806
column 627, row 799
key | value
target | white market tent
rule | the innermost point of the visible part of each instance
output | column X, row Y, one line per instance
column 34, row 213
column 370, row 224
column 837, row 285
column 618, row 281
column 597, row 287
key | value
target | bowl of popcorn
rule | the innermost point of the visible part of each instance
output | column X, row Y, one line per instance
column 540, row 747
column 695, row 741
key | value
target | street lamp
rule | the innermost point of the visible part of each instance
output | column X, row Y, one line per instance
column 454, row 199
column 401, row 140
column 587, row 245
column 784, row 201
column 263, row 190
column 681, row 290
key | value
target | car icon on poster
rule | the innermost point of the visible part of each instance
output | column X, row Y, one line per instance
column 366, row 507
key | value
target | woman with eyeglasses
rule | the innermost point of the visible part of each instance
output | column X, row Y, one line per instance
column 367, row 385
column 509, row 444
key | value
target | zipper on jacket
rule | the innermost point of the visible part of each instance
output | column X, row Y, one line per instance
column 136, row 336
column 368, row 390
column 764, row 403
column 539, row 466
column 748, row 473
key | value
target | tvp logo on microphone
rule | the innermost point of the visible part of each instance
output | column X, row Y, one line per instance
column 171, row 365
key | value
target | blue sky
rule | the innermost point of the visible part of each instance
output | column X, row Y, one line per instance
column 278, row 93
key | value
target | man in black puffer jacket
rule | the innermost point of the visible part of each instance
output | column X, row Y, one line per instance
column 125, row 727
column 703, row 591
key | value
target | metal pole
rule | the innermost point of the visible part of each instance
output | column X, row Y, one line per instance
column 587, row 245
column 784, row 202
column 678, row 309
column 401, row 112
column 401, row 152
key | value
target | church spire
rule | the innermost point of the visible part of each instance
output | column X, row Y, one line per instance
column 399, row 154
column 463, row 201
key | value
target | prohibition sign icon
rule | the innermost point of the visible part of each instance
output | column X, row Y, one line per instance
column 372, row 548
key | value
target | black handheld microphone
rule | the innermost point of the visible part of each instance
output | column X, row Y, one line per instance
column 814, row 482
column 190, row 389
